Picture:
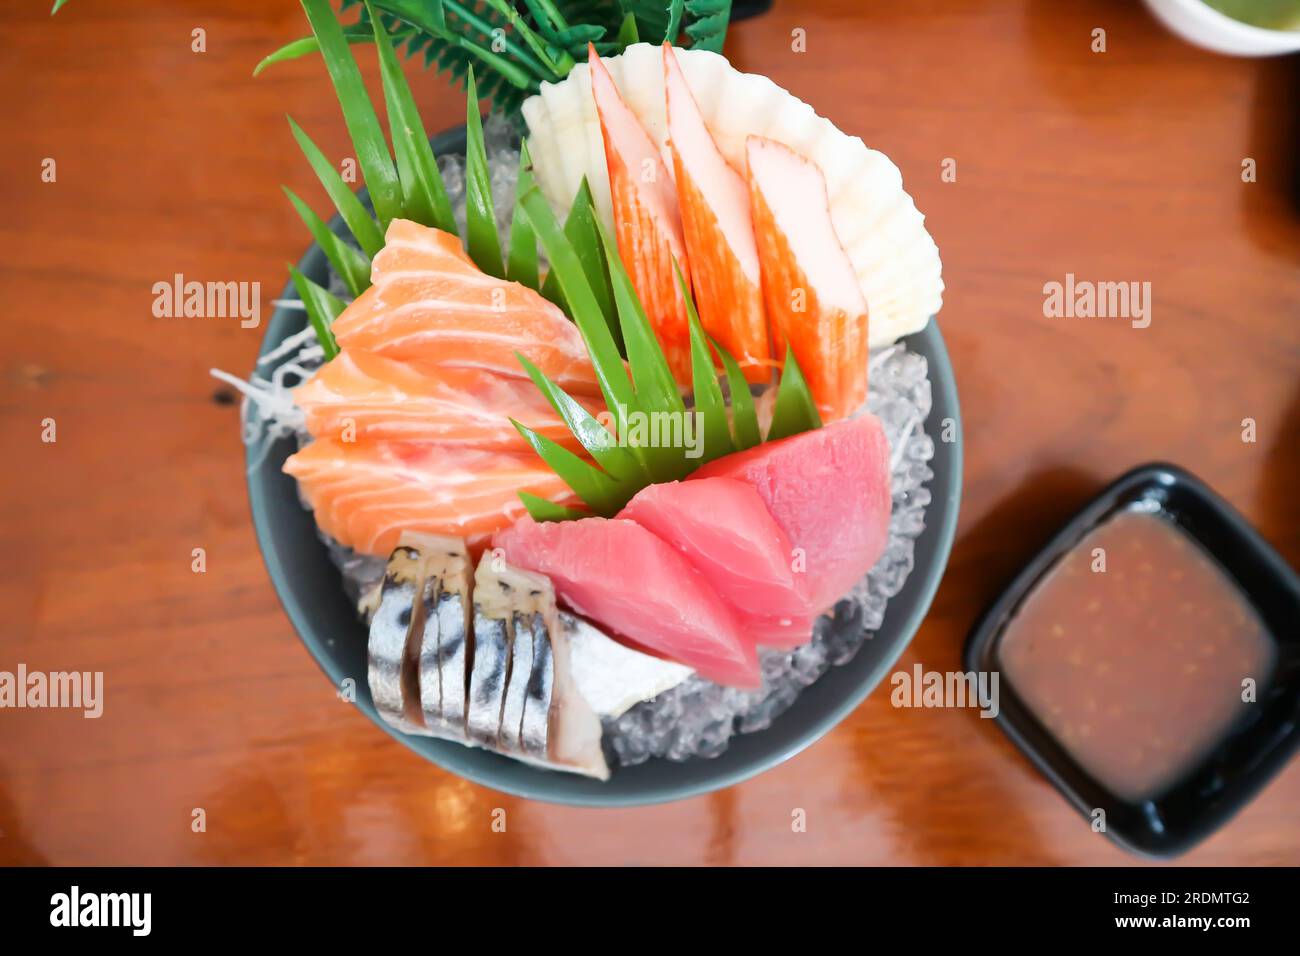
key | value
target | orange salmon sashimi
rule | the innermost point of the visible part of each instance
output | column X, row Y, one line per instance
column 361, row 396
column 365, row 494
column 430, row 303
column 647, row 222
column 813, row 298
column 719, row 232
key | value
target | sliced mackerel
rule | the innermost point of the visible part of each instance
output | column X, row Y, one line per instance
column 445, row 642
column 535, row 729
column 493, row 640
column 392, row 654
column 488, row 661
column 526, row 717
column 544, row 719
column 574, row 728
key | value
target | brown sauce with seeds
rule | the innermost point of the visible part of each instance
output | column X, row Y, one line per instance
column 1136, row 669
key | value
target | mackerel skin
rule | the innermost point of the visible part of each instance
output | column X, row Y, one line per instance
column 393, row 671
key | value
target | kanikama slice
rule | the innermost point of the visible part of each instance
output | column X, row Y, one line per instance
column 719, row 232
column 647, row 223
column 814, row 302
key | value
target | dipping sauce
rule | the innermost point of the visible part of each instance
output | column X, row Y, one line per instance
column 1136, row 669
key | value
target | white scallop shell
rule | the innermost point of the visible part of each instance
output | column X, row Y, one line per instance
column 896, row 261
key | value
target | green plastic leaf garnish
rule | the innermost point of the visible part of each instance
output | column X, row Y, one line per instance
column 605, row 494
column 305, row 46
column 358, row 112
column 580, row 229
column 358, row 220
column 349, row 263
column 521, row 259
column 617, row 461
column 795, row 411
column 322, row 306
column 656, row 389
column 543, row 510
column 704, row 379
column 481, row 239
column 424, row 196
column 744, row 417
column 583, row 307
column 627, row 31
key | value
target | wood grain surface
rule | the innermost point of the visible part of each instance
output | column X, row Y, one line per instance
column 1120, row 166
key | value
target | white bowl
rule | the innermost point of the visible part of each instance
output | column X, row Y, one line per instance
column 1198, row 23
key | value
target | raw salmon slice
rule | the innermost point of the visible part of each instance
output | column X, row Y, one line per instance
column 723, row 528
column 430, row 303
column 719, row 231
column 360, row 395
column 828, row 490
column 627, row 580
column 647, row 223
column 365, row 494
column 813, row 298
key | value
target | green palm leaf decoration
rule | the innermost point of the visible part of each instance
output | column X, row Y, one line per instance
column 358, row 112
column 706, row 23
column 515, row 45
column 424, row 197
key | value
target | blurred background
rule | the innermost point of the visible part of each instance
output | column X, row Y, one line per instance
column 1123, row 163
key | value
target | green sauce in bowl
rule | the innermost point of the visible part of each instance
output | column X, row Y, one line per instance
column 1269, row 14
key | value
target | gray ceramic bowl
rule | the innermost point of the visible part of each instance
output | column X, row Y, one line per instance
column 310, row 588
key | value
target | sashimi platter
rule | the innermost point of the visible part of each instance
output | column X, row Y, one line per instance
column 607, row 418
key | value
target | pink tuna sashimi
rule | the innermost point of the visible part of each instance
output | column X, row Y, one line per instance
column 828, row 489
column 723, row 528
column 619, row 575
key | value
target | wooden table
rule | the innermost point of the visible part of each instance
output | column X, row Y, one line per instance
column 1123, row 165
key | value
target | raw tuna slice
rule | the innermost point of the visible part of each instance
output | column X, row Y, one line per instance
column 780, row 631
column 723, row 528
column 813, row 298
column 619, row 575
column 828, row 490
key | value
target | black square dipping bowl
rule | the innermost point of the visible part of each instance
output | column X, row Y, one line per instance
column 1254, row 746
